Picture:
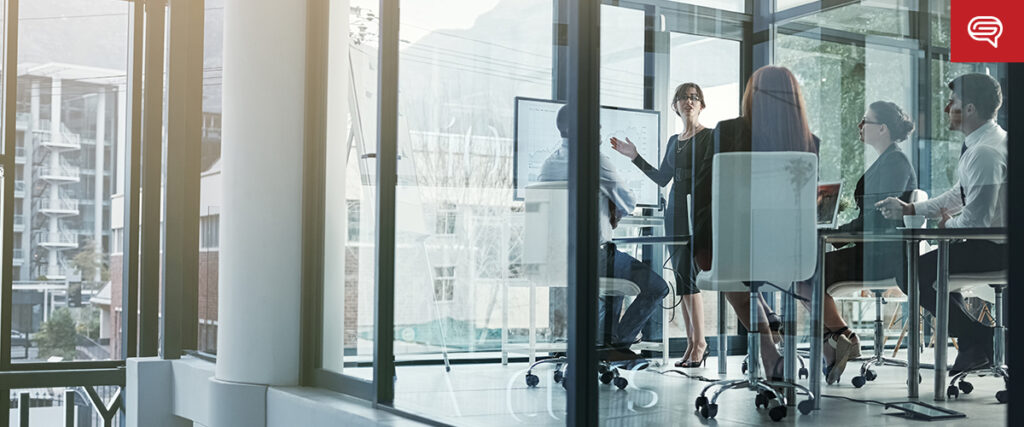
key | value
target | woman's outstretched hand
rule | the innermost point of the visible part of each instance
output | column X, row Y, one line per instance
column 627, row 148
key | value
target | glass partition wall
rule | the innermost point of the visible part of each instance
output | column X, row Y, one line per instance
column 482, row 168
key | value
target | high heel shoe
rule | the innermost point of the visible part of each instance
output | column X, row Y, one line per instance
column 695, row 364
column 846, row 346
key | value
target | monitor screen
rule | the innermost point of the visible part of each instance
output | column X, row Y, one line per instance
column 828, row 203
column 537, row 136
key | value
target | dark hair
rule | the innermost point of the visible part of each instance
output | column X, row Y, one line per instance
column 562, row 121
column 981, row 90
column 681, row 92
column 892, row 116
column 774, row 108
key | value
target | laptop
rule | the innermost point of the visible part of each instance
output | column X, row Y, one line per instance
column 828, row 204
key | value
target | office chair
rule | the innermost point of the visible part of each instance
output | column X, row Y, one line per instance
column 878, row 288
column 545, row 264
column 996, row 280
column 763, row 206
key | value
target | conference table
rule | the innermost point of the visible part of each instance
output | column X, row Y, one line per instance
column 911, row 237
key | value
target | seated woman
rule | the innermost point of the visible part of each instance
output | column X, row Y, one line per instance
column 883, row 125
column 773, row 118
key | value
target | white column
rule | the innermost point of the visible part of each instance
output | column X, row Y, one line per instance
column 52, row 269
column 122, row 137
column 261, row 233
column 101, row 144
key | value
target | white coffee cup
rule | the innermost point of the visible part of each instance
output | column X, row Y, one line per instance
column 914, row 221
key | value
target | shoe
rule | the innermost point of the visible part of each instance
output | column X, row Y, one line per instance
column 847, row 347
column 775, row 327
column 695, row 363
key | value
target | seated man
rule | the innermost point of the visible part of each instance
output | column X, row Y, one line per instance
column 978, row 199
column 616, row 202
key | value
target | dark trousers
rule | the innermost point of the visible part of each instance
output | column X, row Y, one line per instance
column 974, row 256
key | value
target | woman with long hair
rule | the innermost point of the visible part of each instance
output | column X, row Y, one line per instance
column 774, row 118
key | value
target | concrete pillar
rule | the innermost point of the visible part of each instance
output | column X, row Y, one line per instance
column 122, row 141
column 28, row 176
column 261, row 233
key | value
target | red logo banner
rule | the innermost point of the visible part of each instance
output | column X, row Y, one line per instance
column 987, row 31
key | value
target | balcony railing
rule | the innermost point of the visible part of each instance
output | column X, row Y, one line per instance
column 19, row 188
column 19, row 222
column 59, row 173
column 59, row 205
column 19, row 154
column 57, row 239
column 68, row 140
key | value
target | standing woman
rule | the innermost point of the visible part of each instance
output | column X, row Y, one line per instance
column 688, row 102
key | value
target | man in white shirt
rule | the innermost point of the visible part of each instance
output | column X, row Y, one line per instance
column 979, row 197
column 616, row 202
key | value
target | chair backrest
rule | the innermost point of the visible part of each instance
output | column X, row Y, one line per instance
column 546, row 235
column 763, row 206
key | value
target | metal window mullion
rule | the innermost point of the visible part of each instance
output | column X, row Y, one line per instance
column 314, row 191
column 584, row 19
column 184, row 135
column 387, row 178
column 1015, row 211
column 149, row 210
column 10, row 94
column 130, row 244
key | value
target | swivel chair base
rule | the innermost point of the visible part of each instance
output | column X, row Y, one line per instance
column 958, row 382
column 866, row 374
column 768, row 392
column 608, row 371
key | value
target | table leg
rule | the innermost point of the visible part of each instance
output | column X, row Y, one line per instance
column 914, row 299
column 789, row 339
column 723, row 340
column 941, row 320
column 817, row 324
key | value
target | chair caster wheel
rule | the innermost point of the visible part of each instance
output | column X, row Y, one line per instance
column 621, row 383
column 777, row 413
column 966, row 387
column 1003, row 396
column 761, row 400
column 701, row 401
column 870, row 375
column 559, row 376
column 532, row 380
column 803, row 373
column 859, row 381
column 952, row 392
column 709, row 411
column 607, row 377
column 806, row 406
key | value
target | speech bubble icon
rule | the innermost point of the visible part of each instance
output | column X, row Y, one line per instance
column 986, row 29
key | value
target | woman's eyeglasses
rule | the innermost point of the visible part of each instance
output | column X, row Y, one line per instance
column 693, row 98
column 865, row 121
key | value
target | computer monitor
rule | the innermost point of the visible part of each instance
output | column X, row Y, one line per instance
column 536, row 136
column 828, row 203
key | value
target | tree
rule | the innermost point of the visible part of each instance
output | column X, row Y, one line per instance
column 89, row 261
column 57, row 335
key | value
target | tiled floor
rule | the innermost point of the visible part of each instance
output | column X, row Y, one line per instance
column 476, row 395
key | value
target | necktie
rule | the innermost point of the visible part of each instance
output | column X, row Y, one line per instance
column 963, row 196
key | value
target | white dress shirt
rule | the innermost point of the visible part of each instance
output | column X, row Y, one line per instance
column 613, row 187
column 981, row 174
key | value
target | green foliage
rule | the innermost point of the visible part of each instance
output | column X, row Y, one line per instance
column 88, row 261
column 57, row 335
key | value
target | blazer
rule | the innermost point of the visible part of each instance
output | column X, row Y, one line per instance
column 891, row 175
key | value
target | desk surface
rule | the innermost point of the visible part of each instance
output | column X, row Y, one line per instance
column 647, row 240
column 912, row 234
